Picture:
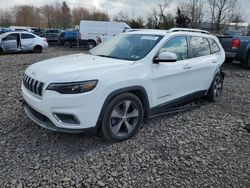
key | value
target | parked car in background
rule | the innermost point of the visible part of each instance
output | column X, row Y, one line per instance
column 22, row 41
column 20, row 28
column 92, row 31
column 69, row 38
column 237, row 47
column 52, row 35
column 4, row 30
column 37, row 31
column 118, row 83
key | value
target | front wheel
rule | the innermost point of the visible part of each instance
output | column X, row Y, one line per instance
column 91, row 44
column 67, row 44
column 215, row 90
column 123, row 117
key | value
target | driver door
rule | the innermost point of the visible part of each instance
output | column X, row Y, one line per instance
column 10, row 42
column 172, row 80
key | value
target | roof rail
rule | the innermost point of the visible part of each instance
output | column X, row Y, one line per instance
column 188, row 30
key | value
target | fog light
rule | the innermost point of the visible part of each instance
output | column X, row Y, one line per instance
column 66, row 118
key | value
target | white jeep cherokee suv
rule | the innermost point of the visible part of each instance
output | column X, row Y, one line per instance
column 115, row 85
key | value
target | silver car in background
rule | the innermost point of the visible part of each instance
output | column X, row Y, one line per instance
column 22, row 41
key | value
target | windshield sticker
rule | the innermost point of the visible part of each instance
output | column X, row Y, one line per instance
column 149, row 38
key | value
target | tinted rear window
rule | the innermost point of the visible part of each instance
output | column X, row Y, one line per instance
column 200, row 46
column 27, row 36
column 213, row 46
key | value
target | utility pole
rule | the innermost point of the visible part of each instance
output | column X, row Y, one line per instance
column 213, row 12
column 133, row 12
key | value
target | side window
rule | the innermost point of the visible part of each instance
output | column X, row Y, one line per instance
column 200, row 46
column 11, row 37
column 213, row 46
column 27, row 36
column 177, row 45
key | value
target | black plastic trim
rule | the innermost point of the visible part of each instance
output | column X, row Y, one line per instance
column 176, row 102
column 44, row 122
column 131, row 89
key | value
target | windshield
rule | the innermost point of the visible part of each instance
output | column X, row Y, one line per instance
column 131, row 47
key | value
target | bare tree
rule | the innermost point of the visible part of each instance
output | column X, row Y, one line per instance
column 6, row 18
column 158, row 17
column 48, row 13
column 194, row 11
column 132, row 22
column 121, row 17
column 237, row 15
column 79, row 14
column 220, row 10
column 211, row 4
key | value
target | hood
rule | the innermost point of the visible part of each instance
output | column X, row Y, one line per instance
column 77, row 67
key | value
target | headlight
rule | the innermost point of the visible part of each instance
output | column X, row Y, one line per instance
column 73, row 87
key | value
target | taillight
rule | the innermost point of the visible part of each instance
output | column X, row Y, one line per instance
column 235, row 43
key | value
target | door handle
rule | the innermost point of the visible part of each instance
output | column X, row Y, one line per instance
column 187, row 67
column 214, row 61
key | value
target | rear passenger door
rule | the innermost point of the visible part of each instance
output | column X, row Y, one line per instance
column 202, row 65
column 27, row 41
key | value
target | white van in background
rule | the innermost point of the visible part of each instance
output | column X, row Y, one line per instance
column 92, row 31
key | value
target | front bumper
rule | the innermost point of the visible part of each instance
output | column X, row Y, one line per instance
column 85, row 107
column 46, row 123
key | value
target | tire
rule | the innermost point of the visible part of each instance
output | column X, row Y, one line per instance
column 246, row 64
column 38, row 49
column 67, row 44
column 229, row 61
column 91, row 44
column 215, row 90
column 122, row 118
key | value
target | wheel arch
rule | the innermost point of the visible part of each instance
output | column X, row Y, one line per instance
column 91, row 40
column 218, row 71
column 37, row 45
column 139, row 91
column 247, row 55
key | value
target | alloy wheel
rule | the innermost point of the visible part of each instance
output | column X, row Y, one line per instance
column 217, row 87
column 124, row 118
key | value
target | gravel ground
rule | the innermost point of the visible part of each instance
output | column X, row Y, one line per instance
column 205, row 147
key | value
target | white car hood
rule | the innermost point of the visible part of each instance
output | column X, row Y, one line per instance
column 77, row 67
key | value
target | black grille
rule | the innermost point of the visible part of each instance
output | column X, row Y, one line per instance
column 33, row 85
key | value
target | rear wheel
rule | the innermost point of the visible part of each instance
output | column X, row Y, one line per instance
column 215, row 90
column 38, row 49
column 229, row 60
column 246, row 64
column 67, row 44
column 122, row 118
column 91, row 44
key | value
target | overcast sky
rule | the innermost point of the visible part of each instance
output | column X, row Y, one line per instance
column 112, row 7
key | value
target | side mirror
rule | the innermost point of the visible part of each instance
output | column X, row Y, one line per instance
column 165, row 57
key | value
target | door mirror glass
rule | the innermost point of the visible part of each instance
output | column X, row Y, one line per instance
column 165, row 57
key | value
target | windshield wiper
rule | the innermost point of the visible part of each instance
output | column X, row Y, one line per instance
column 106, row 56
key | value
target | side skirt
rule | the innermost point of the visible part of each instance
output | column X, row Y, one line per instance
column 174, row 105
